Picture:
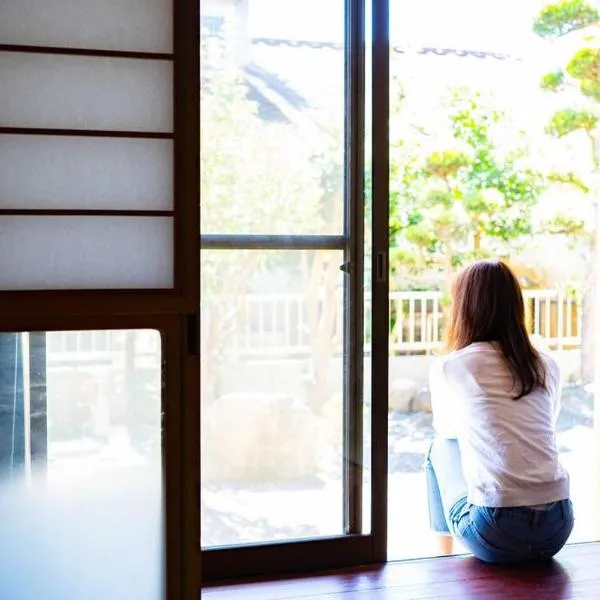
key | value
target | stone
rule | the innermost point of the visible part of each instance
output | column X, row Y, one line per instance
column 403, row 395
column 258, row 439
column 423, row 402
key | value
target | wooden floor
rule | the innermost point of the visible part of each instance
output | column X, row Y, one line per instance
column 574, row 575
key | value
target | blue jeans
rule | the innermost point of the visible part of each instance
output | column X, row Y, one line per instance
column 494, row 535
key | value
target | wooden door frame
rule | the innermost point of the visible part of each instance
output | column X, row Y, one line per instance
column 356, row 548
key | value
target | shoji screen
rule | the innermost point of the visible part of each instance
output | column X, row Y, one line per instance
column 86, row 144
column 99, row 298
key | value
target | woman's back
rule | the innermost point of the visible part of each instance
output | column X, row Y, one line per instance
column 501, row 488
column 508, row 446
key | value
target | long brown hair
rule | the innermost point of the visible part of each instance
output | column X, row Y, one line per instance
column 487, row 306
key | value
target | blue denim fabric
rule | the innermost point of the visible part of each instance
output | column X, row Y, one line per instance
column 494, row 535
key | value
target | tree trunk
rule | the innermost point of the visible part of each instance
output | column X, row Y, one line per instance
column 39, row 402
column 477, row 241
column 12, row 413
column 589, row 322
column 321, row 312
column 448, row 268
column 588, row 326
column 218, row 320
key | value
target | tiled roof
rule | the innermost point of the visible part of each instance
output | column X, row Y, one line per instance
column 281, row 77
column 460, row 52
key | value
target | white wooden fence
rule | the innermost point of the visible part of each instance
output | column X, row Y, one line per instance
column 417, row 319
column 100, row 347
column 277, row 324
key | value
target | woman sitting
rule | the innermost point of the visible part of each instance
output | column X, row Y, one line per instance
column 494, row 477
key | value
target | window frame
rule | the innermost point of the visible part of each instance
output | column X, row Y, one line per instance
column 177, row 439
column 298, row 556
column 174, row 312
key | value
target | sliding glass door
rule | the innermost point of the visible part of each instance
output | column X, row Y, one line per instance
column 286, row 288
column 495, row 153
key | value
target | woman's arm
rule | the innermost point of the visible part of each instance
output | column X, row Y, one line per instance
column 557, row 389
column 441, row 402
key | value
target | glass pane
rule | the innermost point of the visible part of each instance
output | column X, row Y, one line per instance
column 272, row 117
column 75, row 92
column 272, row 389
column 81, row 491
column 85, row 173
column 42, row 253
column 491, row 156
column 136, row 25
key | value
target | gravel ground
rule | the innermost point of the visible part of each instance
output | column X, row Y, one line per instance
column 265, row 513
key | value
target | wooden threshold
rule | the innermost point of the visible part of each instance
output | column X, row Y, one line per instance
column 573, row 575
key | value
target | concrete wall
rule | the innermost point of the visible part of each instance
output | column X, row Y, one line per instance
column 291, row 377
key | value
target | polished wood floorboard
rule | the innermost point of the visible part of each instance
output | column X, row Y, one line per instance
column 573, row 575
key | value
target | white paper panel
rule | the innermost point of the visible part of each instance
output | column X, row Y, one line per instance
column 90, row 173
column 136, row 25
column 38, row 253
column 77, row 92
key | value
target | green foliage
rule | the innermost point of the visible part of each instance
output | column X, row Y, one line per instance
column 570, row 120
column 257, row 177
column 557, row 20
column 450, row 205
column 446, row 163
column 553, row 82
column 584, row 67
column 591, row 89
column 581, row 71
column 568, row 179
column 585, row 64
column 563, row 224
